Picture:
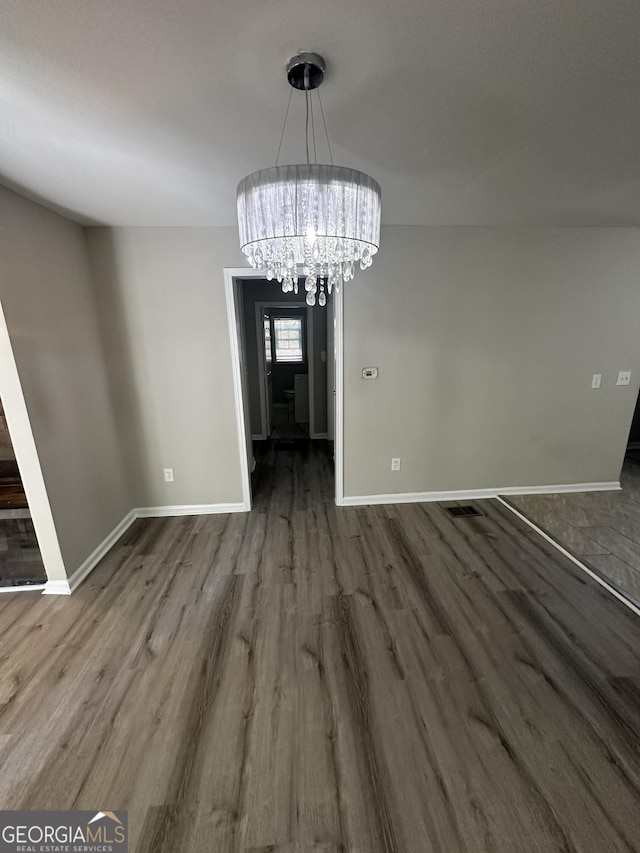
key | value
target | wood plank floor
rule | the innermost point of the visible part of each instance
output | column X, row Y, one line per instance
column 313, row 678
column 602, row 529
column 12, row 494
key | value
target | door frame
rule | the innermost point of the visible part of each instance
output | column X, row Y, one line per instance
column 231, row 277
column 240, row 397
column 262, row 370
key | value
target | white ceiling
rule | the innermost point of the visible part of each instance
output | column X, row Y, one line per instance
column 148, row 112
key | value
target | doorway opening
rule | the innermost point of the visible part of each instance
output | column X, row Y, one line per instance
column 21, row 562
column 28, row 545
column 286, row 384
column 284, row 367
column 633, row 443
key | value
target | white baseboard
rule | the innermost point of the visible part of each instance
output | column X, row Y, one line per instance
column 94, row 558
column 57, row 588
column 188, row 509
column 565, row 488
column 474, row 494
column 27, row 587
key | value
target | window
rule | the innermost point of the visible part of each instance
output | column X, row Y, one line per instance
column 287, row 333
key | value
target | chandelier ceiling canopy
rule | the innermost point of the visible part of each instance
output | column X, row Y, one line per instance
column 311, row 220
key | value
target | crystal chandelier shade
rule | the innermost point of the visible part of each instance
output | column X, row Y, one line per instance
column 309, row 221
column 315, row 219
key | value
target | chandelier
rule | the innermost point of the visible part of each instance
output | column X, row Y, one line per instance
column 309, row 221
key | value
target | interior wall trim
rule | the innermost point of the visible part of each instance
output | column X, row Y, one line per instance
column 476, row 494
column 57, row 588
column 188, row 509
column 338, row 379
column 242, row 417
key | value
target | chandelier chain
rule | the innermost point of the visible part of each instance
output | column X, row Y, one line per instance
column 307, row 86
column 313, row 131
column 326, row 132
column 284, row 126
column 306, row 127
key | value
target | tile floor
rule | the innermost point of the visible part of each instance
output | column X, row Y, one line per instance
column 600, row 528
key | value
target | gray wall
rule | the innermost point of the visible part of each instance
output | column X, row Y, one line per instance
column 486, row 340
column 164, row 322
column 51, row 318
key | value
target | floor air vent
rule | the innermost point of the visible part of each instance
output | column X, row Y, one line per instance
column 467, row 511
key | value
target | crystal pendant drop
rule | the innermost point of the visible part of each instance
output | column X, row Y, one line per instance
column 365, row 260
column 311, row 299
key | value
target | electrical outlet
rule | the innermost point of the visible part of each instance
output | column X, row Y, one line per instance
column 624, row 377
column 168, row 475
column 395, row 463
column 597, row 379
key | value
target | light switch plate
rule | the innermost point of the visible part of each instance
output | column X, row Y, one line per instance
column 596, row 381
column 624, row 377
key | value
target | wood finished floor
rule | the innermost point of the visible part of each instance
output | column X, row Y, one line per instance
column 312, row 678
column 20, row 558
column 602, row 529
column 12, row 495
